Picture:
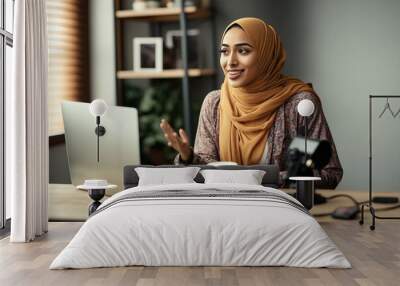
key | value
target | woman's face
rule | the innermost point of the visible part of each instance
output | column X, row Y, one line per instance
column 238, row 58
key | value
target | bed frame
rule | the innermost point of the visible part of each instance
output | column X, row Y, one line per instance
column 270, row 179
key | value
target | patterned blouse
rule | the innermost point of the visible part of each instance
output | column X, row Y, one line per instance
column 288, row 124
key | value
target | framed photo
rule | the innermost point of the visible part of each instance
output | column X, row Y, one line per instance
column 148, row 54
column 173, row 40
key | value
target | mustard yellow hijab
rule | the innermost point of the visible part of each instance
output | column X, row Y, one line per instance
column 248, row 113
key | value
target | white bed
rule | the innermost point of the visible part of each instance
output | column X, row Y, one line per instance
column 250, row 226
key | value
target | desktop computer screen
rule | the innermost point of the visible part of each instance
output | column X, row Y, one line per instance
column 118, row 147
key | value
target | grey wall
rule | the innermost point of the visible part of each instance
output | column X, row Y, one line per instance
column 348, row 49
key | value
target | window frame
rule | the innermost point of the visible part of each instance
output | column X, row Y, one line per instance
column 6, row 39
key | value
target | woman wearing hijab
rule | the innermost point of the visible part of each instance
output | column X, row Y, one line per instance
column 253, row 118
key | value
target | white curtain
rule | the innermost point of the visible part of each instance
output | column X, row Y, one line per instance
column 26, row 123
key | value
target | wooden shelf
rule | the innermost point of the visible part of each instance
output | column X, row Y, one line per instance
column 176, row 73
column 161, row 14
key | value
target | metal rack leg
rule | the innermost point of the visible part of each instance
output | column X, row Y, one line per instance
column 372, row 210
column 361, row 222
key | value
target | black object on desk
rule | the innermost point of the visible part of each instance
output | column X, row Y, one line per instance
column 96, row 195
column 96, row 189
column 305, row 193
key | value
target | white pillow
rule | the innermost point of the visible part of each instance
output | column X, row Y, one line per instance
column 249, row 177
column 163, row 176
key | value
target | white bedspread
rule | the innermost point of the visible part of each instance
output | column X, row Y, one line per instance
column 200, row 231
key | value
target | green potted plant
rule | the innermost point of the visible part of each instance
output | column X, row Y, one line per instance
column 161, row 100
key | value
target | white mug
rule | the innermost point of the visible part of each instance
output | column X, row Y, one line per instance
column 139, row 5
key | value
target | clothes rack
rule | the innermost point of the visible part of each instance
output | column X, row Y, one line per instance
column 369, row 203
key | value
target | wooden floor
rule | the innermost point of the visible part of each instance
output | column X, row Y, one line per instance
column 374, row 255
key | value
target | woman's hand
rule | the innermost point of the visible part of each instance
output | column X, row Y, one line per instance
column 179, row 142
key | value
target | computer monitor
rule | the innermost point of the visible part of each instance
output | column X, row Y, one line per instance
column 119, row 146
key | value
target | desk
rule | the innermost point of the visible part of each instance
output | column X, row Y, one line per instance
column 66, row 203
column 69, row 204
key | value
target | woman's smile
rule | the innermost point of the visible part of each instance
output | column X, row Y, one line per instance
column 234, row 73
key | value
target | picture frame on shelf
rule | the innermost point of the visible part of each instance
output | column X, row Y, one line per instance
column 148, row 54
column 173, row 57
